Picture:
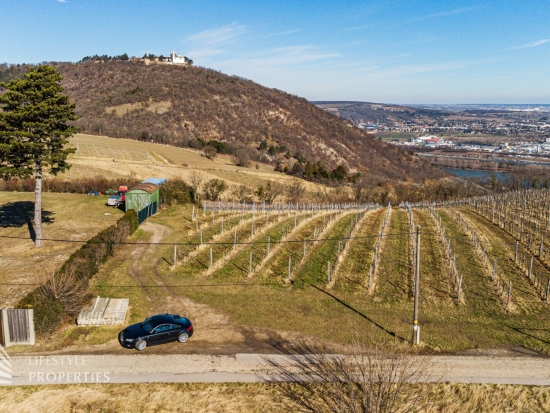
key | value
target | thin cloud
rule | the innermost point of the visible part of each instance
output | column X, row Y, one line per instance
column 416, row 19
column 60, row 1
column 283, row 33
column 282, row 56
column 533, row 44
column 445, row 13
column 218, row 35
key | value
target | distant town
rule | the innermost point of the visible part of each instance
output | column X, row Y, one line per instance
column 530, row 121
column 503, row 150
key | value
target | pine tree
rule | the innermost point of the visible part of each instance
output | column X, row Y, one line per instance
column 34, row 131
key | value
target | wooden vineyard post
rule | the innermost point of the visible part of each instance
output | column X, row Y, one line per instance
column 516, row 254
column 531, row 268
column 201, row 236
column 222, row 227
column 305, row 247
column 268, row 244
column 416, row 327
column 193, row 213
column 235, row 241
column 250, row 264
column 509, row 291
column 547, row 289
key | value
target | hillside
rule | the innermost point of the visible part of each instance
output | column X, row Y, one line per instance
column 178, row 106
column 367, row 112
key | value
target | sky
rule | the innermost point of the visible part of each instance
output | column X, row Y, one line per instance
column 392, row 51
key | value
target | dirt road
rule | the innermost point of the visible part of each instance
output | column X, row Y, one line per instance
column 142, row 367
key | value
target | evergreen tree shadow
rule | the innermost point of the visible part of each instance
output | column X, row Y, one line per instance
column 20, row 213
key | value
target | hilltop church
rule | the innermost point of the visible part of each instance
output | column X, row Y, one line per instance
column 178, row 58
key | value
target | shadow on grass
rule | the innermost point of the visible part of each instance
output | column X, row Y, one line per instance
column 20, row 213
column 391, row 333
column 521, row 330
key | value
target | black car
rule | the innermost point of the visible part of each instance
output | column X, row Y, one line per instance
column 161, row 328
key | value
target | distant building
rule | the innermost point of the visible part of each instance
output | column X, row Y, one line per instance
column 503, row 145
column 178, row 58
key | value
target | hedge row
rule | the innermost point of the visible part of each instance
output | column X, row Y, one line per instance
column 49, row 311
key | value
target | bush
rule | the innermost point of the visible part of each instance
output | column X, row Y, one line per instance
column 176, row 192
column 48, row 312
column 241, row 158
column 210, row 152
column 76, row 186
column 214, row 188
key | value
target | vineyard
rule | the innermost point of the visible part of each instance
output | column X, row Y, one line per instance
column 483, row 266
column 102, row 157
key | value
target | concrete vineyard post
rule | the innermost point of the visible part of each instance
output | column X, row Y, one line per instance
column 289, row 266
column 416, row 327
column 250, row 264
column 235, row 241
column 201, row 236
column 175, row 254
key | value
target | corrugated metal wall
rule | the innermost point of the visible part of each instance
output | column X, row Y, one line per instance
column 16, row 326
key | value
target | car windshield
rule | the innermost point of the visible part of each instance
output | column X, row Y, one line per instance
column 146, row 325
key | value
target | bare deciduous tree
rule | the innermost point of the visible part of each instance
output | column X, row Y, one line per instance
column 210, row 152
column 214, row 188
column 364, row 379
column 242, row 193
column 69, row 289
column 295, row 191
column 241, row 158
column 195, row 180
column 269, row 192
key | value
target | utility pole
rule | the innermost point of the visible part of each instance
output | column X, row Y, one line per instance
column 416, row 327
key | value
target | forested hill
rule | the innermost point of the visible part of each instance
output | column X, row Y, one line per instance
column 186, row 106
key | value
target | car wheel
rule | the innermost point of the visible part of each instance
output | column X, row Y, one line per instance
column 141, row 344
column 183, row 337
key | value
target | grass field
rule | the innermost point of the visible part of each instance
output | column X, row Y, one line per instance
column 65, row 216
column 446, row 398
column 119, row 158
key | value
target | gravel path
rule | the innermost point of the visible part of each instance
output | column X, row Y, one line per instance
column 142, row 367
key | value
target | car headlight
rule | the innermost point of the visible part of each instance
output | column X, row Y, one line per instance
column 129, row 339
